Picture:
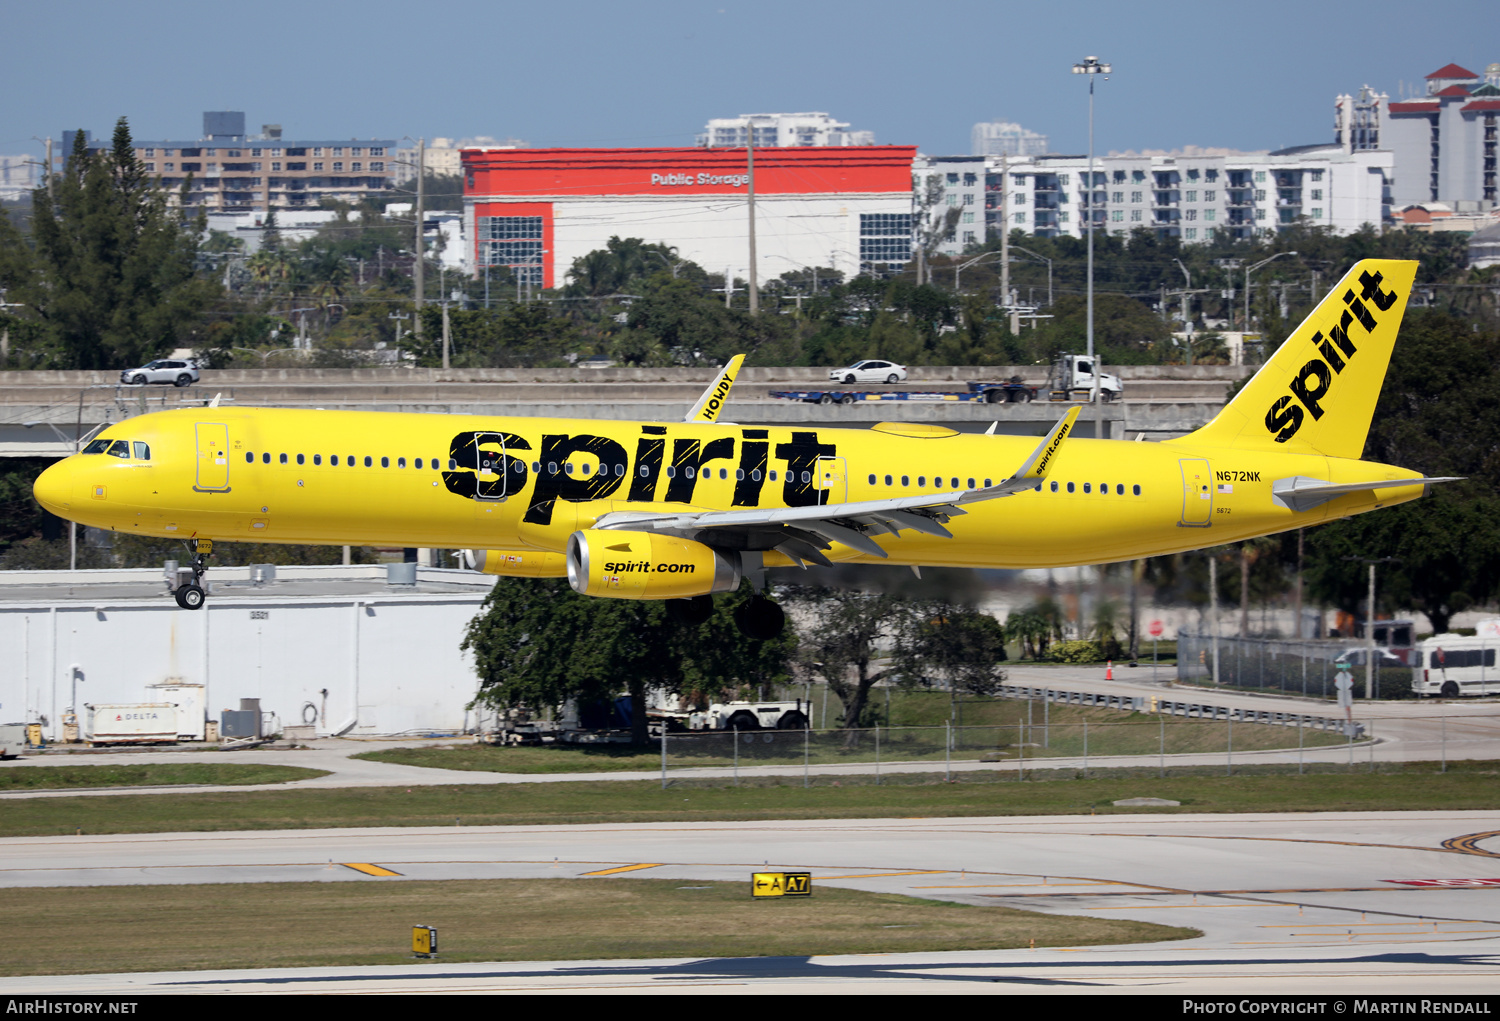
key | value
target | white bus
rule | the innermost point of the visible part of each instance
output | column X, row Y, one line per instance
column 1451, row 665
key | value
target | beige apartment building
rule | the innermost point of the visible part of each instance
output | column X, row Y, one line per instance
column 233, row 172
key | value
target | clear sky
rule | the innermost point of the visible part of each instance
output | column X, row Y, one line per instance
column 594, row 73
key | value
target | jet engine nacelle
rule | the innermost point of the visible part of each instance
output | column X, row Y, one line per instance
column 511, row 563
column 644, row 565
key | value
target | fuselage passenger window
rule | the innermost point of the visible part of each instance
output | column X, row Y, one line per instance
column 301, row 459
column 317, row 459
column 1070, row 487
column 283, row 459
column 249, row 458
column 1137, row 490
column 369, row 461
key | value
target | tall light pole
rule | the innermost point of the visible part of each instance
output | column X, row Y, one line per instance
column 1252, row 269
column 1091, row 67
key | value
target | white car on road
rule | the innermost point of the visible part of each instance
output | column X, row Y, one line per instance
column 177, row 371
column 869, row 371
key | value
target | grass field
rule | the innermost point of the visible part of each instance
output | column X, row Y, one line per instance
column 37, row 778
column 100, row 929
column 1392, row 787
column 1007, row 728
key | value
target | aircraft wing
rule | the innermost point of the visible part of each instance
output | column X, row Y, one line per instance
column 803, row 532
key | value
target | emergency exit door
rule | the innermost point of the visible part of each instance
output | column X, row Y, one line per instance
column 213, row 458
column 1197, row 493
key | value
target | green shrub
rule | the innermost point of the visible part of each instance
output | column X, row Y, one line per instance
column 1075, row 652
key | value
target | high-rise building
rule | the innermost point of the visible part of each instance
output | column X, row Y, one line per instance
column 784, row 130
column 1443, row 142
column 1004, row 138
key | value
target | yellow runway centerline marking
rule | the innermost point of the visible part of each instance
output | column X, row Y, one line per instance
column 626, row 868
column 368, row 869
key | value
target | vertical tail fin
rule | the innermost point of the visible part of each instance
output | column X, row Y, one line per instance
column 1317, row 393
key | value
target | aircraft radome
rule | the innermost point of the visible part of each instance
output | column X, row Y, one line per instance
column 681, row 510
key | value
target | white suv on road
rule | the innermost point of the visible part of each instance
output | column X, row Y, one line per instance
column 869, row 371
column 178, row 372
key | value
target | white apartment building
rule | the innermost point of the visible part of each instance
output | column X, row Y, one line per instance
column 1444, row 142
column 441, row 156
column 782, row 130
column 1004, row 138
column 18, row 176
column 1193, row 198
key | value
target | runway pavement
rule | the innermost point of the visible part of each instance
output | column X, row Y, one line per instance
column 1316, row 903
column 1293, row 904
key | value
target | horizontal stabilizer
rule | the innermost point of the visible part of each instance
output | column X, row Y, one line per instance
column 1300, row 493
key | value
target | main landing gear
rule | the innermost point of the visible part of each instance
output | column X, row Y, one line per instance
column 759, row 618
column 188, row 587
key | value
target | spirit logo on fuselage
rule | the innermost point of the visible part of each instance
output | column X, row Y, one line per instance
column 1313, row 381
column 494, row 465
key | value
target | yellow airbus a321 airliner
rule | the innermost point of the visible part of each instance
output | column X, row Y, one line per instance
column 680, row 510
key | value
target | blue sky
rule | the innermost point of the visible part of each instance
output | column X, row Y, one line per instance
column 590, row 73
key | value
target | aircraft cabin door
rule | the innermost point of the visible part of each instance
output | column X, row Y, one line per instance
column 831, row 479
column 490, row 465
column 213, row 458
column 1197, row 493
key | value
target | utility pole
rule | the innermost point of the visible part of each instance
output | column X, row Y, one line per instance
column 446, row 335
column 750, row 166
column 1015, row 317
column 416, row 328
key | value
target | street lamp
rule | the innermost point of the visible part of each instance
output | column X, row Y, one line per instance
column 1091, row 67
column 1043, row 258
column 1252, row 269
column 1370, row 621
column 965, row 265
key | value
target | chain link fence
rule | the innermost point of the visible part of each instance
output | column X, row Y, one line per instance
column 1050, row 735
column 1288, row 666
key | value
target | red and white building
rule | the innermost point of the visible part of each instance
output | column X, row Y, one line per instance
column 536, row 210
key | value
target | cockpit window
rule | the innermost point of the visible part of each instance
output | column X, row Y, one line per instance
column 97, row 446
column 142, row 451
column 119, row 448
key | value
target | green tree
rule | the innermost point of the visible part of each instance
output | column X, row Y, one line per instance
column 110, row 268
column 538, row 643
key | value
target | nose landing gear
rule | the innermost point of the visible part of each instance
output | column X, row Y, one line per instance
column 188, row 587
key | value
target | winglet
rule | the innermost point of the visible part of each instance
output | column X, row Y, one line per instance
column 1035, row 468
column 709, row 405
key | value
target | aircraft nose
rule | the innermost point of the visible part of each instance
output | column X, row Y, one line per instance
column 53, row 488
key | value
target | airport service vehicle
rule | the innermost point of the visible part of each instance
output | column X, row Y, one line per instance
column 871, row 370
column 1450, row 665
column 133, row 723
column 681, row 510
column 752, row 716
column 178, row 372
column 12, row 740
